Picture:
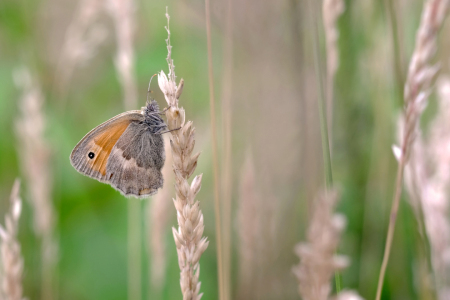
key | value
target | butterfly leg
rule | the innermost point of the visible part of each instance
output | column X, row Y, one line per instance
column 169, row 130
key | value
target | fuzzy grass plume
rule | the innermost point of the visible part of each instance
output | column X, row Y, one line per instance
column 188, row 238
column 122, row 13
column 421, row 75
column 82, row 39
column 35, row 155
column 318, row 261
column 427, row 179
column 11, row 262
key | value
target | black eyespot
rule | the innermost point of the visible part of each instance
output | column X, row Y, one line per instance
column 91, row 155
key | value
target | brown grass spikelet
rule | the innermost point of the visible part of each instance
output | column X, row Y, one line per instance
column 188, row 237
column 318, row 261
column 11, row 261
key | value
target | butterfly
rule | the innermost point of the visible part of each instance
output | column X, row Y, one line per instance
column 126, row 152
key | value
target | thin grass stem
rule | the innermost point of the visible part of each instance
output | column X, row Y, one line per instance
column 188, row 237
column 215, row 155
column 326, row 152
column 226, row 130
column 134, row 249
column 397, row 49
column 418, row 84
column 320, row 100
column 391, row 229
column 122, row 13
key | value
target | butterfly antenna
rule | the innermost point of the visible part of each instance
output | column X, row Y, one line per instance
column 149, row 90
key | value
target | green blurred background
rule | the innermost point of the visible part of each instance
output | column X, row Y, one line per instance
column 275, row 121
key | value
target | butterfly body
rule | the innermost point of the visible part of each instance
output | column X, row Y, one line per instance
column 126, row 152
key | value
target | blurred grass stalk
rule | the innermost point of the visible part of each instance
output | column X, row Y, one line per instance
column 331, row 11
column 320, row 99
column 188, row 238
column 248, row 218
column 81, row 40
column 158, row 214
column 397, row 45
column 34, row 152
column 122, row 13
column 218, row 220
column 318, row 261
column 427, row 179
column 11, row 261
column 227, row 188
column 421, row 75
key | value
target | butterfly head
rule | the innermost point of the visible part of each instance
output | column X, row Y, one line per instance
column 152, row 117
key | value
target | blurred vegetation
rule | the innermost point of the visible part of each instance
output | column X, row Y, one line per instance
column 275, row 117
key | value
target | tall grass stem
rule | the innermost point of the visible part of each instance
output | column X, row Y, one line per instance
column 122, row 13
column 418, row 84
column 215, row 155
column 35, row 158
column 227, row 184
column 134, row 249
column 326, row 152
column 320, row 100
column 396, row 47
column 11, row 261
column 391, row 229
column 188, row 237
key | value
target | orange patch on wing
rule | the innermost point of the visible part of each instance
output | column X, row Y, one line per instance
column 106, row 141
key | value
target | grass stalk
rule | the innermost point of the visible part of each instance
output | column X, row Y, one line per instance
column 326, row 151
column 320, row 100
column 159, row 212
column 35, row 158
column 318, row 260
column 421, row 75
column 134, row 249
column 188, row 237
column 396, row 47
column 248, row 221
column 215, row 156
column 391, row 228
column 11, row 261
column 122, row 13
column 331, row 11
column 227, row 160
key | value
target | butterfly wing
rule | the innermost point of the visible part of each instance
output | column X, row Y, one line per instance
column 121, row 152
column 134, row 166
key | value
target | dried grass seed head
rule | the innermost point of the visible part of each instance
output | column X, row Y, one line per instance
column 11, row 266
column 318, row 261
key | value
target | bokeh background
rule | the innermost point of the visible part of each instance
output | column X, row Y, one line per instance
column 266, row 87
